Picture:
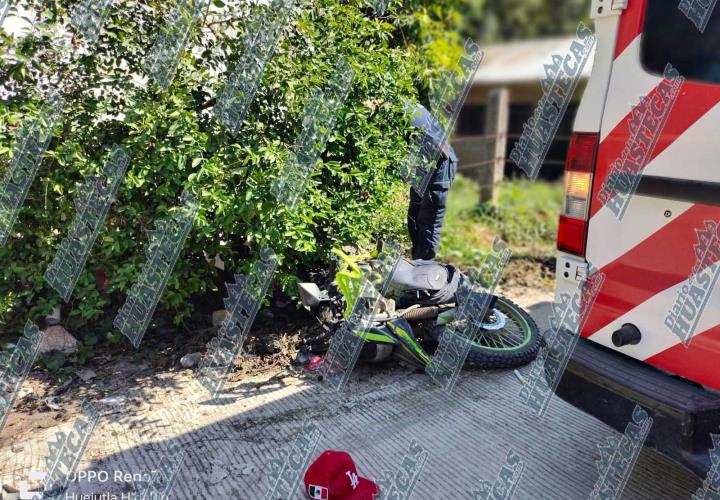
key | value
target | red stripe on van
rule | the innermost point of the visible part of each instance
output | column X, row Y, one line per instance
column 692, row 103
column 694, row 361
column 634, row 277
column 631, row 25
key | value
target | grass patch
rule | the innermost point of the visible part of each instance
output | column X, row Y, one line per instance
column 525, row 216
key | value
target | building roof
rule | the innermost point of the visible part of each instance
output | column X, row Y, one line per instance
column 522, row 61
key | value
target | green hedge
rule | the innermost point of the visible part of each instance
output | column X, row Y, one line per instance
column 354, row 195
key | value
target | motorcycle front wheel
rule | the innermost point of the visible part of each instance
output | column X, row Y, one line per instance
column 508, row 337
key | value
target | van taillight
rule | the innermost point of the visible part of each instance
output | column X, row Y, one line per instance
column 579, row 166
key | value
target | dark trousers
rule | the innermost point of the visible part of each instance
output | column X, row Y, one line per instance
column 426, row 214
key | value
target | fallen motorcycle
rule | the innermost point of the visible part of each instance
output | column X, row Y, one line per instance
column 420, row 302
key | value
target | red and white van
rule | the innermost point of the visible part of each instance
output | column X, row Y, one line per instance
column 627, row 354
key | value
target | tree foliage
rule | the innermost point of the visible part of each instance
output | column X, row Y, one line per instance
column 501, row 20
column 354, row 195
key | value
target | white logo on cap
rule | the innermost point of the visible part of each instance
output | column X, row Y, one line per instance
column 354, row 481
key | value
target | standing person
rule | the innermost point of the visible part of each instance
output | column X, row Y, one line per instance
column 426, row 215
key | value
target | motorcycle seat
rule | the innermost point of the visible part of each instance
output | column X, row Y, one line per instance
column 424, row 282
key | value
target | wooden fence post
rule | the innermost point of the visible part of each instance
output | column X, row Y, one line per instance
column 482, row 157
column 496, row 124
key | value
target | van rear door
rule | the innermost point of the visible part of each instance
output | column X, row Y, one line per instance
column 657, row 244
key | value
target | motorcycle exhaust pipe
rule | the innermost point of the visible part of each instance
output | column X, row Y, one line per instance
column 628, row 334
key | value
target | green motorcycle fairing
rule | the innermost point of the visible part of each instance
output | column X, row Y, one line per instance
column 396, row 332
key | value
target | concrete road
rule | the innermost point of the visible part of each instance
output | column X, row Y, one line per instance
column 384, row 411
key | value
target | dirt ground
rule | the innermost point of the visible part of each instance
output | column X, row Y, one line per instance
column 33, row 412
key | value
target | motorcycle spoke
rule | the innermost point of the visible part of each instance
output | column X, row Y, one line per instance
column 511, row 335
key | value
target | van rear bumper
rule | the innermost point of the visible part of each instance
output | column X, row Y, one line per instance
column 608, row 385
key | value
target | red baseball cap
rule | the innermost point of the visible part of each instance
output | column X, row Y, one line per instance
column 332, row 476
